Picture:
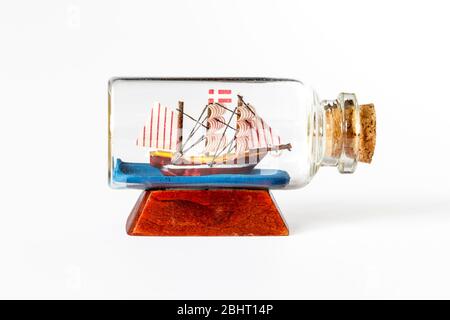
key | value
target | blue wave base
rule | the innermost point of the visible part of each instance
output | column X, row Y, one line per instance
column 145, row 176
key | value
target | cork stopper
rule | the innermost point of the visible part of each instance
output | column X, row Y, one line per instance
column 367, row 137
column 350, row 131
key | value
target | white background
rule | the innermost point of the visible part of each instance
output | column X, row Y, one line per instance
column 383, row 232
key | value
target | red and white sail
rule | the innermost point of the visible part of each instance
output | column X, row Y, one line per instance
column 252, row 131
column 215, row 139
column 160, row 129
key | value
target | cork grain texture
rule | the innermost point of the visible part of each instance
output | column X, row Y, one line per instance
column 367, row 138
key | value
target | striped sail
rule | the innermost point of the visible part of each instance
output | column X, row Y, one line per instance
column 160, row 130
column 252, row 131
column 215, row 139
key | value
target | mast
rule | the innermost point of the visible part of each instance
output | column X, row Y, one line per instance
column 238, row 118
column 198, row 124
column 180, row 126
column 208, row 125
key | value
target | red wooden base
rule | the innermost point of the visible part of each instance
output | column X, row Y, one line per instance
column 217, row 212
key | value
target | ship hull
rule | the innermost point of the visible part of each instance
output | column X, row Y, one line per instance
column 204, row 170
column 200, row 165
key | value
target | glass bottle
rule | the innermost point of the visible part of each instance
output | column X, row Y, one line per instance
column 231, row 132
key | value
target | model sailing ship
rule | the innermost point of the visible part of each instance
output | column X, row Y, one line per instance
column 253, row 139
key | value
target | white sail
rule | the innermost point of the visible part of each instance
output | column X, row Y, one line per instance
column 160, row 131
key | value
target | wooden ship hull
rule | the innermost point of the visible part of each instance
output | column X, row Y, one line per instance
column 206, row 165
column 230, row 163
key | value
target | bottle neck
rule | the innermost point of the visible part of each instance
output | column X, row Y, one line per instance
column 340, row 127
